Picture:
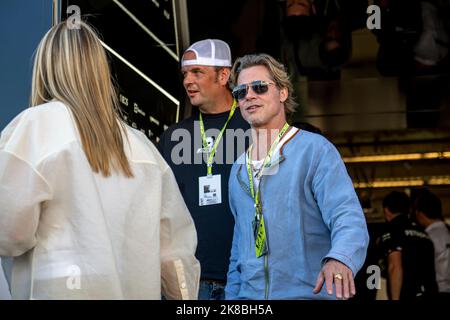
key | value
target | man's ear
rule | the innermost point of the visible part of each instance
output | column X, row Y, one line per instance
column 419, row 216
column 224, row 76
column 284, row 93
column 387, row 213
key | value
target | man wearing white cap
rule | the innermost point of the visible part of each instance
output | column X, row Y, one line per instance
column 201, row 150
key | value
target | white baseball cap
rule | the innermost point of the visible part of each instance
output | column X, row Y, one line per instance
column 209, row 52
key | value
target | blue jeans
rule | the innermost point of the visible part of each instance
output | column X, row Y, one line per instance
column 211, row 290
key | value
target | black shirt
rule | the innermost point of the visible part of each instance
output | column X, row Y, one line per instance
column 419, row 277
column 214, row 223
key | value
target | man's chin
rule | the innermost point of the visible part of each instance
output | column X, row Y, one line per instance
column 194, row 101
column 254, row 122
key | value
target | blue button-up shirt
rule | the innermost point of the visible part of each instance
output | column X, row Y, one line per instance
column 311, row 213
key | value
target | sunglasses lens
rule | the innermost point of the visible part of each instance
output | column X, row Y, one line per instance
column 260, row 88
column 240, row 92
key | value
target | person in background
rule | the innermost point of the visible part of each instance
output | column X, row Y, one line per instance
column 299, row 226
column 202, row 168
column 428, row 213
column 407, row 253
column 316, row 43
column 89, row 209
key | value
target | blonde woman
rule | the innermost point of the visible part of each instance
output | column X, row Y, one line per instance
column 88, row 208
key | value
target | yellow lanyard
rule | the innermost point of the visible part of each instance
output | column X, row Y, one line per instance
column 258, row 227
column 212, row 152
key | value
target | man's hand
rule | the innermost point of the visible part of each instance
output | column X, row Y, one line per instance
column 338, row 273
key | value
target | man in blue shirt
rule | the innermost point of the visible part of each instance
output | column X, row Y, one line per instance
column 298, row 221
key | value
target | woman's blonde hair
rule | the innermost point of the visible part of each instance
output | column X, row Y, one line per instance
column 71, row 66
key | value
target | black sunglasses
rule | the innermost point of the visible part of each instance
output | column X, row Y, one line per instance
column 258, row 86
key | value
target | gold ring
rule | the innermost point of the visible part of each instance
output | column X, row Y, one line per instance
column 338, row 276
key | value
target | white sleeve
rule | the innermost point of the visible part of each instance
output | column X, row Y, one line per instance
column 22, row 191
column 180, row 270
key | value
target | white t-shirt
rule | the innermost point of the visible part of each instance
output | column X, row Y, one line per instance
column 257, row 164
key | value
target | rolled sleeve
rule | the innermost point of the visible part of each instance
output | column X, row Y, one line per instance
column 341, row 210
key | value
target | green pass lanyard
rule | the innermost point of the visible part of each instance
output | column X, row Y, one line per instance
column 212, row 152
column 259, row 229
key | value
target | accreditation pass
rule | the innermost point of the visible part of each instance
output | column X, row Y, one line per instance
column 209, row 190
